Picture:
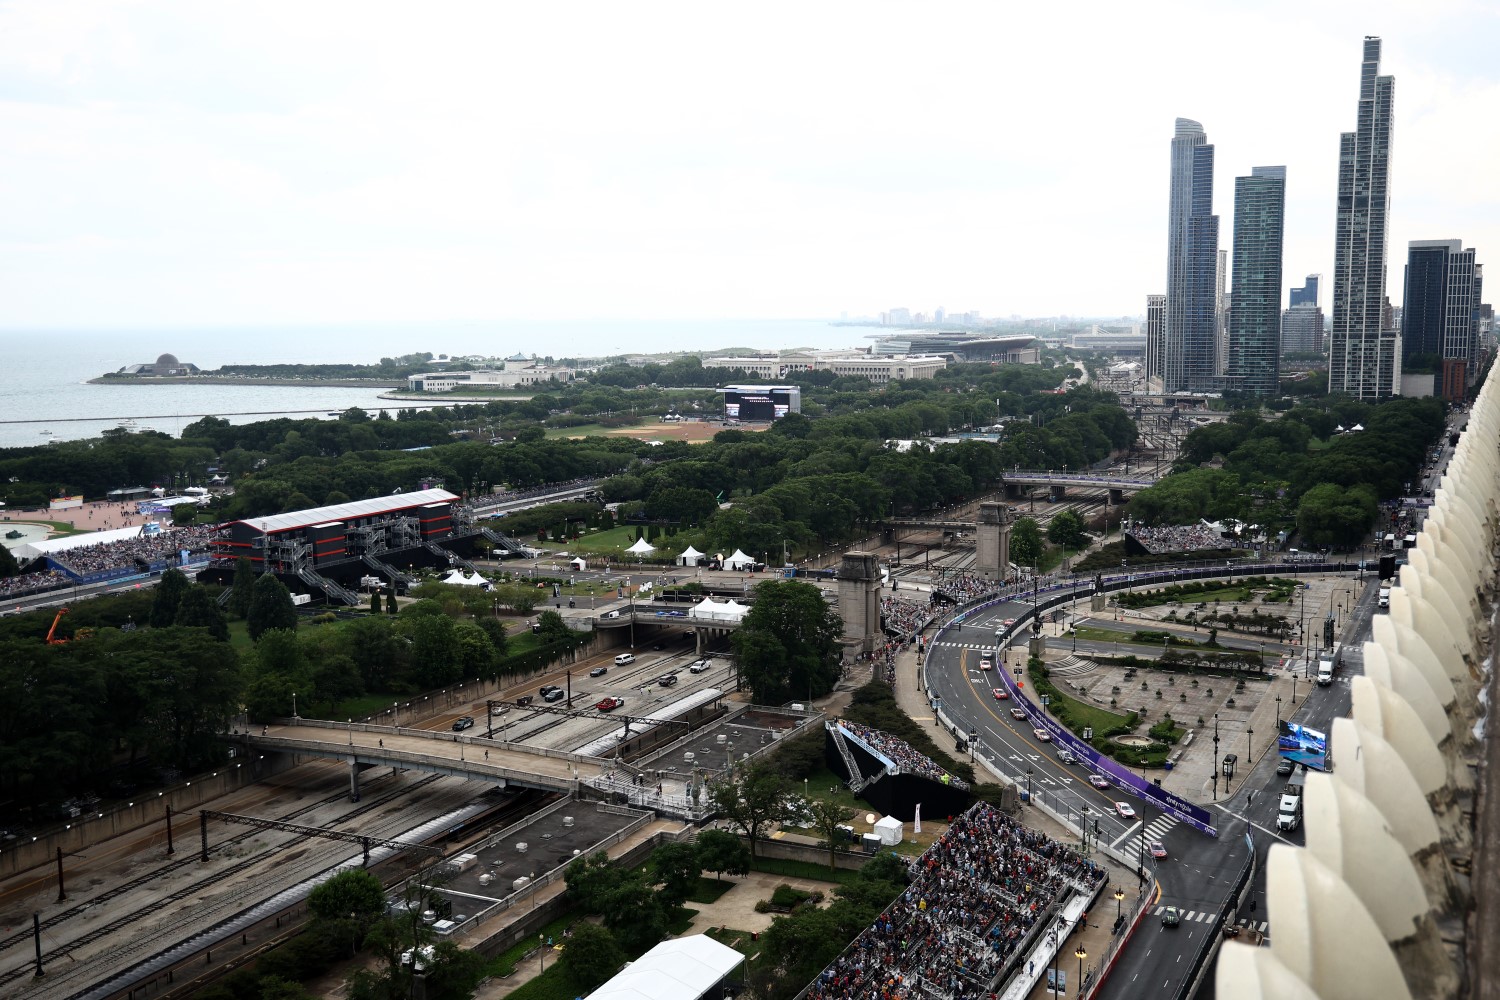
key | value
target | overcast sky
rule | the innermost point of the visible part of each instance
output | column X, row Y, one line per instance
column 316, row 161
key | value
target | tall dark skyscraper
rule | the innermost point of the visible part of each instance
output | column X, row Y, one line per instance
column 1308, row 293
column 1440, row 314
column 1364, row 357
column 1190, row 350
column 1255, row 294
column 1156, row 334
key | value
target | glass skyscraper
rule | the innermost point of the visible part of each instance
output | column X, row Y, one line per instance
column 1364, row 357
column 1189, row 355
column 1255, row 292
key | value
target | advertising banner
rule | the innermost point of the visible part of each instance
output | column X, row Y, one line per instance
column 65, row 503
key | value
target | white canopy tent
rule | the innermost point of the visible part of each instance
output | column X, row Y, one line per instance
column 690, row 557
column 708, row 608
column 458, row 579
column 739, row 561
column 578, row 562
column 889, row 830
column 685, row 968
column 641, row 547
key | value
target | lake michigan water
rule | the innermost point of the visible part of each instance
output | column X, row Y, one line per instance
column 45, row 388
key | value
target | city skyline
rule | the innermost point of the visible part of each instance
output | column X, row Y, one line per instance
column 175, row 164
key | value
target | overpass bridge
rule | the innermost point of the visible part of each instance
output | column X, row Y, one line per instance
column 1116, row 484
column 456, row 755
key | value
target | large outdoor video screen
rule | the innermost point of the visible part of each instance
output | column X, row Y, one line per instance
column 1302, row 745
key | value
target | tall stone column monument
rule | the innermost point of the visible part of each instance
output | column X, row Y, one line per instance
column 992, row 540
column 859, row 600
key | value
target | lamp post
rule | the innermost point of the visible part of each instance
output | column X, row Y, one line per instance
column 294, row 704
column 1081, row 955
column 1249, row 735
column 1216, row 757
column 1278, row 715
column 1028, row 784
column 1119, row 906
column 1294, row 686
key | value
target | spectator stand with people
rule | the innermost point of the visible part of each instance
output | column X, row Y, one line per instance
column 978, row 894
column 902, row 755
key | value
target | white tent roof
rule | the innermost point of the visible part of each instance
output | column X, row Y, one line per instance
column 455, row 576
column 690, row 553
column 704, row 608
column 50, row 546
column 641, row 547
column 683, row 968
column 475, row 580
column 739, row 559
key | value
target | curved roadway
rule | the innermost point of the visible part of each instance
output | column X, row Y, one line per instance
column 1200, row 872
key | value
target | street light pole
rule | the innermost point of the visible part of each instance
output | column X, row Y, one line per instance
column 1249, row 735
column 1081, row 954
column 1216, row 757
column 1278, row 715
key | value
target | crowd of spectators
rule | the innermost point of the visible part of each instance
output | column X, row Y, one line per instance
column 31, row 583
column 907, row 759
column 1177, row 538
column 975, row 894
column 124, row 552
column 903, row 619
column 963, row 588
column 492, row 499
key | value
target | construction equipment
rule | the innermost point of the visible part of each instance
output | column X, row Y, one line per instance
column 51, row 632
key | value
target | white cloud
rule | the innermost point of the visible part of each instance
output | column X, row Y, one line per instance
column 291, row 162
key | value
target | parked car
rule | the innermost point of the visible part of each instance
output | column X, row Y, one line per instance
column 556, row 694
column 667, row 680
column 698, row 666
column 1158, row 849
column 460, row 724
column 547, row 689
column 1285, row 766
column 1099, row 781
column 598, row 671
column 524, row 700
column 609, row 704
column 1125, row 809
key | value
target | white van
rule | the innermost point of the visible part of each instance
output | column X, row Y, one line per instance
column 624, row 658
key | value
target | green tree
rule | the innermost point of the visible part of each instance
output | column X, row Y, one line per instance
column 198, row 610
column 722, row 853
column 552, row 628
column 788, row 643
column 351, row 894
column 588, row 878
column 1066, row 529
column 375, row 603
column 676, row 869
column 1331, row 515
column 634, row 912
column 1025, row 542
column 753, row 800
column 270, row 607
column 243, row 587
column 8, row 564
column 167, row 596
column 826, row 817
column 591, row 957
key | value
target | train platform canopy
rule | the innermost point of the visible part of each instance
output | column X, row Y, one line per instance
column 685, row 968
column 346, row 511
column 56, row 546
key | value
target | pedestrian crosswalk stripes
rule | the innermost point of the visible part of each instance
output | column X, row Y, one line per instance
column 1209, row 916
column 1157, row 829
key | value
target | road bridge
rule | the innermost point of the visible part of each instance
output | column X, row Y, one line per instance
column 1115, row 483
column 451, row 754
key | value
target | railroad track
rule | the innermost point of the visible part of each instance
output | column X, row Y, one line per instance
column 196, row 886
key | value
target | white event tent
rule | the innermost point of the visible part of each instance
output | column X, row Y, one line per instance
column 690, row 557
column 739, row 561
column 641, row 548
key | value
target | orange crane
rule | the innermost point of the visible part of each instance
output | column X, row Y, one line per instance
column 51, row 631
